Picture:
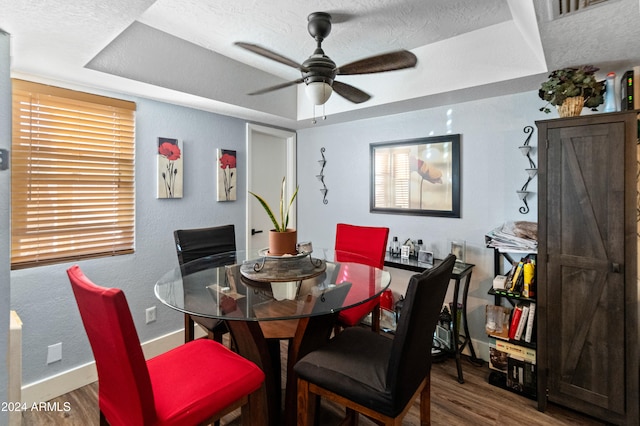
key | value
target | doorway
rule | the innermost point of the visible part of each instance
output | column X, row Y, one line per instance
column 271, row 155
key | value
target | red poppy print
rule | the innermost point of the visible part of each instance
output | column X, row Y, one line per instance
column 169, row 149
column 227, row 160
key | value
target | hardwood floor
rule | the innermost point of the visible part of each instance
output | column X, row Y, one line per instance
column 473, row 403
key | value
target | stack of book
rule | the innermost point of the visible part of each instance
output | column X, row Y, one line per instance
column 520, row 281
column 517, row 364
column 522, row 321
column 630, row 90
column 519, row 328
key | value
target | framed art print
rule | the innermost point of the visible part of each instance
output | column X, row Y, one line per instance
column 170, row 169
column 417, row 176
column 226, row 176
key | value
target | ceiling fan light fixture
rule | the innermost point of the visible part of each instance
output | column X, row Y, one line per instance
column 319, row 71
column 318, row 92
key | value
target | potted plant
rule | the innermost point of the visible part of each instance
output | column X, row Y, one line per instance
column 282, row 240
column 571, row 89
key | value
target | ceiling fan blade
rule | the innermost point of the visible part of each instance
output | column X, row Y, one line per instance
column 276, row 87
column 350, row 93
column 271, row 55
column 391, row 61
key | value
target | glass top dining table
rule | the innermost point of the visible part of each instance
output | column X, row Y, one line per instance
column 251, row 286
column 264, row 299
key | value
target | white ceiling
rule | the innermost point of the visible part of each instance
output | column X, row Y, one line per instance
column 182, row 51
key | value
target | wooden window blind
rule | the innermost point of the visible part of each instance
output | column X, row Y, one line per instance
column 72, row 175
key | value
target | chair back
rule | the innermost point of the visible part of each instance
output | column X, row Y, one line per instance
column 370, row 242
column 410, row 360
column 192, row 244
column 125, row 386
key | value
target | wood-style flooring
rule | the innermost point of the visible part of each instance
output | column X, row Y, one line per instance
column 473, row 403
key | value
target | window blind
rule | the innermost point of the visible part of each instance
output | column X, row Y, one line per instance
column 72, row 175
column 392, row 178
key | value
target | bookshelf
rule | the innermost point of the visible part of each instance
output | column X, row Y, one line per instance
column 511, row 323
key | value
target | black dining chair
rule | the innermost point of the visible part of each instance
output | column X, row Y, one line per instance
column 193, row 244
column 372, row 374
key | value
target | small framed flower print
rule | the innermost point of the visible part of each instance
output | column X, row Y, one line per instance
column 227, row 176
column 170, row 170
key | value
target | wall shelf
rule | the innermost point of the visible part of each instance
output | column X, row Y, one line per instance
column 532, row 170
column 320, row 177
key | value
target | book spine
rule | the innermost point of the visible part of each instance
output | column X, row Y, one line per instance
column 516, row 275
column 529, row 271
column 636, row 87
column 521, row 324
column 515, row 319
column 627, row 84
column 532, row 314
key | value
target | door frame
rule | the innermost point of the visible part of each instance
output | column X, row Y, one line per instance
column 289, row 138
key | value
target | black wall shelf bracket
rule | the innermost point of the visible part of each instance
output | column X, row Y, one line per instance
column 320, row 177
column 532, row 170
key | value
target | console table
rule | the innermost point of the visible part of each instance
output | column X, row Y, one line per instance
column 461, row 275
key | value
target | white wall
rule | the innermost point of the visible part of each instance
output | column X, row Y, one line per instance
column 5, row 199
column 492, row 170
column 42, row 296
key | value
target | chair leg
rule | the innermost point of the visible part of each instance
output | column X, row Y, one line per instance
column 217, row 336
column 306, row 404
column 351, row 418
column 337, row 329
column 425, row 402
column 375, row 318
column 189, row 328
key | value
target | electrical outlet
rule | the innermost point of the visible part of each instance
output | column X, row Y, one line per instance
column 150, row 314
column 54, row 353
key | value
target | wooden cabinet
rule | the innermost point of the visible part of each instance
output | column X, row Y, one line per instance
column 587, row 265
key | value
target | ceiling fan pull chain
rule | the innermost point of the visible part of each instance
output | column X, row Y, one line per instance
column 313, row 115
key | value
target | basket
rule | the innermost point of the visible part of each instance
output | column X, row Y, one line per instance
column 571, row 107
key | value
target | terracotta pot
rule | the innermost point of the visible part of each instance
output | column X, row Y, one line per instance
column 283, row 242
column 571, row 107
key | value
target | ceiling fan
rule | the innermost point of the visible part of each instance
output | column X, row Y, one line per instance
column 319, row 71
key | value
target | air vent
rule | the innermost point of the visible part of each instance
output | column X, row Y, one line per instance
column 566, row 7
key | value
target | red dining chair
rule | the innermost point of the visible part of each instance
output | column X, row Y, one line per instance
column 367, row 245
column 196, row 382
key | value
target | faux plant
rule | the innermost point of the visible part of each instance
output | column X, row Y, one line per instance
column 284, row 210
column 569, row 82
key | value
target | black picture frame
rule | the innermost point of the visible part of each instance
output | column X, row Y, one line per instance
column 416, row 176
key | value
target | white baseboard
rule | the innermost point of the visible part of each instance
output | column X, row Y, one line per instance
column 55, row 386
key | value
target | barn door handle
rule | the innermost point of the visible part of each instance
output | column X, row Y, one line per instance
column 254, row 231
column 615, row 268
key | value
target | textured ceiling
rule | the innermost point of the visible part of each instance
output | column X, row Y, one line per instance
column 182, row 51
column 360, row 28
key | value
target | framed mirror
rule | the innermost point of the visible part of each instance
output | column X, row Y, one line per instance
column 416, row 176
